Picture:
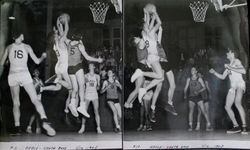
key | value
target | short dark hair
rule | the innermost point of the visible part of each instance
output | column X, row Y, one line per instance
column 233, row 51
column 16, row 35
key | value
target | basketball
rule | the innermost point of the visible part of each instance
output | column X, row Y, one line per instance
column 64, row 17
column 150, row 8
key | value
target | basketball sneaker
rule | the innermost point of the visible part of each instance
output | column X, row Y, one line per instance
column 16, row 131
column 171, row 109
column 47, row 127
column 82, row 109
column 81, row 131
column 244, row 131
column 234, row 130
column 73, row 109
column 152, row 115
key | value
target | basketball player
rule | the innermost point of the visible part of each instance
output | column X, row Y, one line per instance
column 196, row 87
column 61, row 68
column 206, row 96
column 111, row 86
column 234, row 70
column 153, row 59
column 19, row 75
column 76, row 73
column 92, row 84
column 38, row 83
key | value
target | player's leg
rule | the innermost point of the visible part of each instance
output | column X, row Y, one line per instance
column 202, row 108
column 190, row 115
column 153, row 102
column 81, row 86
column 97, row 115
column 115, row 115
column 138, row 84
column 84, row 119
column 119, row 112
column 142, row 111
column 66, row 82
column 56, row 87
column 229, row 102
column 171, row 80
column 32, row 119
column 238, row 104
column 15, row 91
column 30, row 89
column 198, row 124
column 72, row 104
column 157, row 75
column 147, row 113
column 38, row 127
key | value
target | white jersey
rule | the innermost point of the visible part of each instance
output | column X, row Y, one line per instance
column 61, row 53
column 236, row 79
column 18, row 57
column 151, row 45
column 91, row 86
column 62, row 57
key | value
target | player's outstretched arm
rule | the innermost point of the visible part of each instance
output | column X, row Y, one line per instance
column 34, row 57
column 186, row 88
column 85, row 54
column 220, row 76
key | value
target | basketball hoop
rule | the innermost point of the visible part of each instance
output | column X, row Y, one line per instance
column 199, row 10
column 99, row 11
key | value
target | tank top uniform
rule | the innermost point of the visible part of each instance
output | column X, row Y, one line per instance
column 19, row 72
column 91, row 87
column 236, row 80
column 75, row 59
column 62, row 59
column 152, row 52
column 112, row 92
column 194, row 86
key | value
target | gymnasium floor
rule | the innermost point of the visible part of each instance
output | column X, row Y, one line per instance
column 65, row 136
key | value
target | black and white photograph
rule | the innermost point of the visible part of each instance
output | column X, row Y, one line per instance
column 186, row 72
column 61, row 74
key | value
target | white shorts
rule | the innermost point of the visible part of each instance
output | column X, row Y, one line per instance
column 238, row 85
column 151, row 59
column 91, row 96
column 22, row 78
column 61, row 68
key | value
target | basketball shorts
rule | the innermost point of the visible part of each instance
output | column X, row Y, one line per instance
column 113, row 100
column 166, row 66
column 152, row 59
column 20, row 79
column 195, row 99
column 91, row 96
column 73, row 69
column 61, row 68
column 238, row 85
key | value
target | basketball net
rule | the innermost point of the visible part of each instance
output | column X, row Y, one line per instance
column 99, row 11
column 199, row 10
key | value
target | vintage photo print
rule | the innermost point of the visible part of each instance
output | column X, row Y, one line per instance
column 61, row 74
column 186, row 67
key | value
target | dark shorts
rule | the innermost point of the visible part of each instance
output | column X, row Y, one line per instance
column 204, row 95
column 113, row 100
column 73, row 69
column 195, row 99
column 166, row 66
column 144, row 67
